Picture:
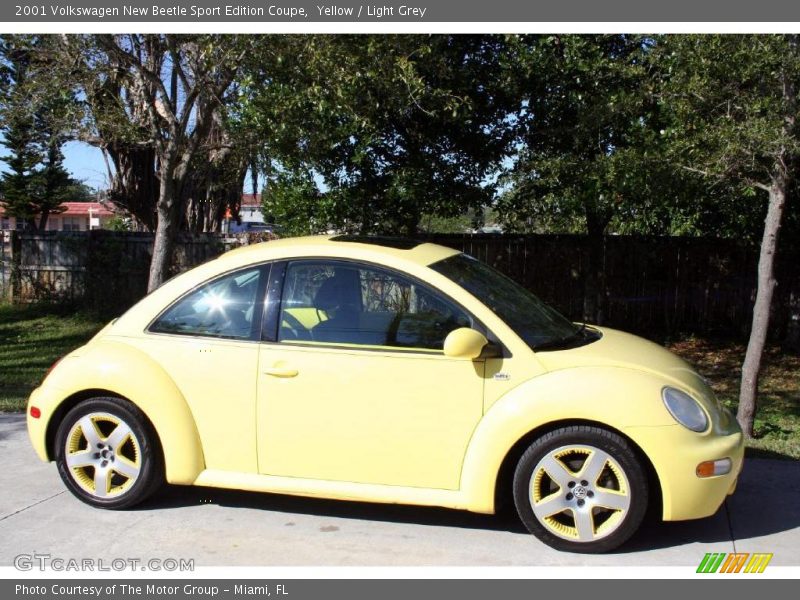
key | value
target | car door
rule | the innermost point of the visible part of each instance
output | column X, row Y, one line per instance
column 353, row 384
column 208, row 341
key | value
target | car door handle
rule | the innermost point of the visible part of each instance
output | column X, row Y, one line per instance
column 281, row 372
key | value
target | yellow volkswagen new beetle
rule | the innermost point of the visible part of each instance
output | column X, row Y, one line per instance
column 385, row 370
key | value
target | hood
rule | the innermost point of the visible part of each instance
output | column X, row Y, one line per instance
column 622, row 350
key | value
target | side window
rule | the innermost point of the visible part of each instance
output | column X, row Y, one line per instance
column 352, row 304
column 224, row 308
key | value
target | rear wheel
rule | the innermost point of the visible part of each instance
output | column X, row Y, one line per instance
column 107, row 453
column 581, row 489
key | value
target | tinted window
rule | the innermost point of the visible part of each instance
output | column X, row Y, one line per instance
column 223, row 308
column 345, row 303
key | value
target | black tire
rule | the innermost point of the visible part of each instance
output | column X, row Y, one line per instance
column 622, row 481
column 85, row 469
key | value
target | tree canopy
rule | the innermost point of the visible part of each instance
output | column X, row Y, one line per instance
column 369, row 133
column 32, row 122
column 157, row 106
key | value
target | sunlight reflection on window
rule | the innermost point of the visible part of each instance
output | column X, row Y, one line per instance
column 213, row 302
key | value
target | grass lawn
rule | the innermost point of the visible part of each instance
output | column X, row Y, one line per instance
column 32, row 338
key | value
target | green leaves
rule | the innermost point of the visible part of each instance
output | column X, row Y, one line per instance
column 392, row 126
column 727, row 98
column 33, row 117
column 589, row 146
column 730, row 121
column 650, row 134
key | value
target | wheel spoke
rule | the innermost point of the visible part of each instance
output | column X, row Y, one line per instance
column 556, row 470
column 125, row 468
column 612, row 500
column 101, row 479
column 90, row 432
column 84, row 458
column 549, row 506
column 584, row 523
column 593, row 466
column 119, row 435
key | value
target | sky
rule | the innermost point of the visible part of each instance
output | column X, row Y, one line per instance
column 85, row 163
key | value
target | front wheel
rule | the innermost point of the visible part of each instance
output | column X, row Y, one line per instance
column 107, row 453
column 581, row 489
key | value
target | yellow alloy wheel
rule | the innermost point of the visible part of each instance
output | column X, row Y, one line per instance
column 579, row 492
column 108, row 454
column 103, row 455
column 581, row 488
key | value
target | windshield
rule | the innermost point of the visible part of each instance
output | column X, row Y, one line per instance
column 539, row 325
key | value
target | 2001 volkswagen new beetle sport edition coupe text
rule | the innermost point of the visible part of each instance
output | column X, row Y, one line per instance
column 385, row 370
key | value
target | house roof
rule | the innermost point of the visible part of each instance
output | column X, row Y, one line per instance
column 79, row 209
column 95, row 209
column 251, row 200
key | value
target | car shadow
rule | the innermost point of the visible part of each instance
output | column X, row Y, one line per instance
column 175, row 497
column 655, row 534
column 764, row 499
column 758, row 508
column 754, row 511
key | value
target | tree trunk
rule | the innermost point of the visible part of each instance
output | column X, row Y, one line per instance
column 135, row 182
column 166, row 229
column 761, row 310
column 43, row 220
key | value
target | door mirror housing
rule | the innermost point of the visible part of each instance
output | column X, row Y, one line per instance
column 464, row 343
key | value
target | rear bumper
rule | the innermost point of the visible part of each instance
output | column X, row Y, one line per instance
column 675, row 453
column 37, row 428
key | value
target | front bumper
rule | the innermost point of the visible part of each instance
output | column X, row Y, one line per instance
column 675, row 453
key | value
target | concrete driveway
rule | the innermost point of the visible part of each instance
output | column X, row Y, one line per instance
column 230, row 528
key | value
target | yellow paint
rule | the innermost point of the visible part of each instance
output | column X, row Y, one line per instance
column 378, row 424
column 218, row 376
column 111, row 366
column 623, row 350
column 675, row 453
column 464, row 343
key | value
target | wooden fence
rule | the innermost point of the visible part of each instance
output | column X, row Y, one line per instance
column 6, row 265
column 653, row 285
column 103, row 270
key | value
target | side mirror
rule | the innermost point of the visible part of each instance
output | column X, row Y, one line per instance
column 464, row 343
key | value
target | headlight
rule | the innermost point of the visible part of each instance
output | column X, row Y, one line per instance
column 684, row 409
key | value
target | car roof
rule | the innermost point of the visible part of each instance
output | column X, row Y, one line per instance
column 420, row 252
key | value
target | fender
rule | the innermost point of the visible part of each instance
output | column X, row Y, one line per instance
column 557, row 396
column 128, row 372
